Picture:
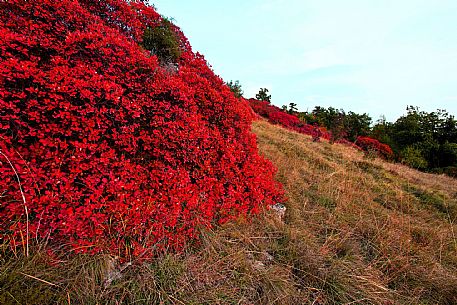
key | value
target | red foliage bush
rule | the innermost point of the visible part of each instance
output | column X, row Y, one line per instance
column 372, row 145
column 262, row 108
column 285, row 119
column 277, row 116
column 349, row 143
column 114, row 151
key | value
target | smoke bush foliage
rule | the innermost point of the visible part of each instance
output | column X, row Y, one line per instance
column 372, row 145
column 114, row 152
column 278, row 116
column 275, row 115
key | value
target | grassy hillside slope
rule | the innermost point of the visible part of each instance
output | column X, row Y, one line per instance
column 356, row 231
column 367, row 231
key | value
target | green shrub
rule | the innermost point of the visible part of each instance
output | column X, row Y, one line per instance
column 263, row 95
column 449, row 154
column 235, row 87
column 163, row 42
column 413, row 157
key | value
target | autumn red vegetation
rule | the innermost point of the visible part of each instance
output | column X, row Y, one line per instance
column 369, row 144
column 277, row 116
column 115, row 151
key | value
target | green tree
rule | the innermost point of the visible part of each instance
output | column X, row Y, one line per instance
column 448, row 154
column 407, row 130
column 424, row 140
column 348, row 125
column 163, row 42
column 356, row 125
column 448, row 128
column 337, row 127
column 412, row 156
column 292, row 108
column 235, row 87
column 382, row 132
column 263, row 95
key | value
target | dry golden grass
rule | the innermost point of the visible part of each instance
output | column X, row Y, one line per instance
column 356, row 231
column 390, row 228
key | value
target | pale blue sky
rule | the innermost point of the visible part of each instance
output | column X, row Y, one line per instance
column 359, row 55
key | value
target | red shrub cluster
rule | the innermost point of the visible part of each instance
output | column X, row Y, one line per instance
column 277, row 116
column 115, row 152
column 372, row 145
column 349, row 143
